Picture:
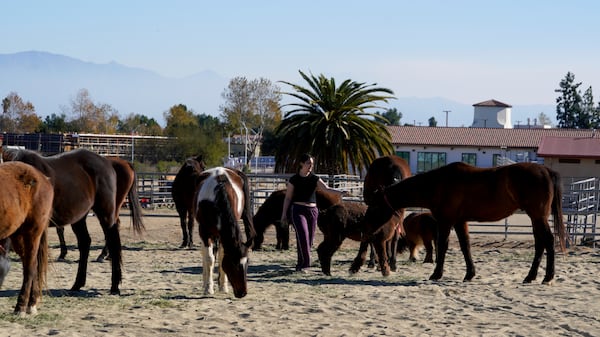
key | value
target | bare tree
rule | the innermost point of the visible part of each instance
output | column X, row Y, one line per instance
column 251, row 107
column 18, row 115
column 87, row 116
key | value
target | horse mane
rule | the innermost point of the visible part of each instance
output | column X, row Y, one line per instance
column 29, row 157
column 229, row 230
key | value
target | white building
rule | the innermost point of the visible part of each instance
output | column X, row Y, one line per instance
column 492, row 114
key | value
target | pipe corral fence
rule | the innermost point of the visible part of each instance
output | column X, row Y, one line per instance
column 581, row 202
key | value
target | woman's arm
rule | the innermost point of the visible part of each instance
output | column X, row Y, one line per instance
column 289, row 192
column 321, row 186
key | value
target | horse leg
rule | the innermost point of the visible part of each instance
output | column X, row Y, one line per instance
column 83, row 243
column 428, row 251
column 222, row 278
column 380, row 248
column 442, row 247
column 208, row 263
column 190, row 230
column 60, row 231
column 27, row 251
column 462, row 232
column 182, row 224
column 113, row 243
column 325, row 252
column 372, row 257
column 391, row 250
column 412, row 251
column 360, row 258
column 543, row 239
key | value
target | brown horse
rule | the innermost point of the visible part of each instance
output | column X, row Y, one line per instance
column 338, row 222
column 383, row 171
column 269, row 213
column 183, row 190
column 223, row 197
column 25, row 205
column 126, row 187
column 420, row 229
column 85, row 181
column 458, row 192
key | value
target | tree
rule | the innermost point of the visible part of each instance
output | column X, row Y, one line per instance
column 543, row 119
column 432, row 121
column 588, row 110
column 137, row 123
column 334, row 124
column 18, row 115
column 56, row 124
column 195, row 135
column 251, row 107
column 87, row 116
column 392, row 116
column 568, row 104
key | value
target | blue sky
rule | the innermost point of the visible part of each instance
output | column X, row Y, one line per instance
column 467, row 51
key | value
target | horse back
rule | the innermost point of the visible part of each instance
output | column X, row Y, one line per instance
column 384, row 171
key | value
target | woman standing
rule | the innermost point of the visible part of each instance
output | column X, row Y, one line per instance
column 303, row 213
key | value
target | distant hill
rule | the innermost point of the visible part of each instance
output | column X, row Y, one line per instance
column 50, row 81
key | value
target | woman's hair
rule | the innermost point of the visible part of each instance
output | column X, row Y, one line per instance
column 302, row 159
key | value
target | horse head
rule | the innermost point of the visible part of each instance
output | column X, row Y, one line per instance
column 4, row 259
column 235, row 267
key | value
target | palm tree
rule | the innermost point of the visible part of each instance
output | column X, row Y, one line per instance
column 334, row 125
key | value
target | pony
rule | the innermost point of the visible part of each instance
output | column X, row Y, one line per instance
column 223, row 197
column 458, row 192
column 338, row 222
column 84, row 181
column 383, row 171
column 420, row 229
column 126, row 187
column 269, row 213
column 183, row 189
column 26, row 205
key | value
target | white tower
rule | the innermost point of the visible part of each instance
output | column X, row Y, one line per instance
column 492, row 114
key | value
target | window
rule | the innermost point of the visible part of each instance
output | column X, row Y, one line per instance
column 404, row 155
column 496, row 160
column 430, row 160
column 569, row 161
column 470, row 158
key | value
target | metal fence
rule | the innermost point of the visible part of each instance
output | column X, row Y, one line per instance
column 580, row 202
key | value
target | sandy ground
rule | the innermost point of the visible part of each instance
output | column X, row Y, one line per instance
column 162, row 295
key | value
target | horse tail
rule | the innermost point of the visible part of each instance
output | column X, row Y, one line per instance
column 557, row 214
column 134, row 204
column 42, row 260
column 247, row 212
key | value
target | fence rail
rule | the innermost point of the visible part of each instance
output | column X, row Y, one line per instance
column 581, row 199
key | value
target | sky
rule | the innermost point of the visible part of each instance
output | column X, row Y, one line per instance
column 467, row 51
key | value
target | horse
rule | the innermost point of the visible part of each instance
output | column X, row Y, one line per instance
column 85, row 181
column 383, row 171
column 223, row 197
column 26, row 205
column 183, row 189
column 420, row 229
column 458, row 192
column 338, row 222
column 126, row 187
column 270, row 213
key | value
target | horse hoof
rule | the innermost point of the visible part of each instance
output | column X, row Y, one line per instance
column 435, row 277
column 548, row 281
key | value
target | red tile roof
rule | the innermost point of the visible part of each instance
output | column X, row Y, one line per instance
column 483, row 137
column 494, row 103
column 570, row 147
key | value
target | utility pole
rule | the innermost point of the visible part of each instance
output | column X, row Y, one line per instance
column 447, row 111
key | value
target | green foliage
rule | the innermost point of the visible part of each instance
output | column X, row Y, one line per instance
column 392, row 116
column 334, row 124
column 432, row 121
column 568, row 104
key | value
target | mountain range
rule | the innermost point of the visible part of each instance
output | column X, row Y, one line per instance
column 50, row 82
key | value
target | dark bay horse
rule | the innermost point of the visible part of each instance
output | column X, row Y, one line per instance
column 338, row 222
column 420, row 230
column 85, row 181
column 183, row 190
column 269, row 213
column 383, row 171
column 25, row 205
column 223, row 197
column 126, row 187
column 458, row 192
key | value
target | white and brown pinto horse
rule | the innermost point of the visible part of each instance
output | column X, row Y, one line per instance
column 222, row 199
